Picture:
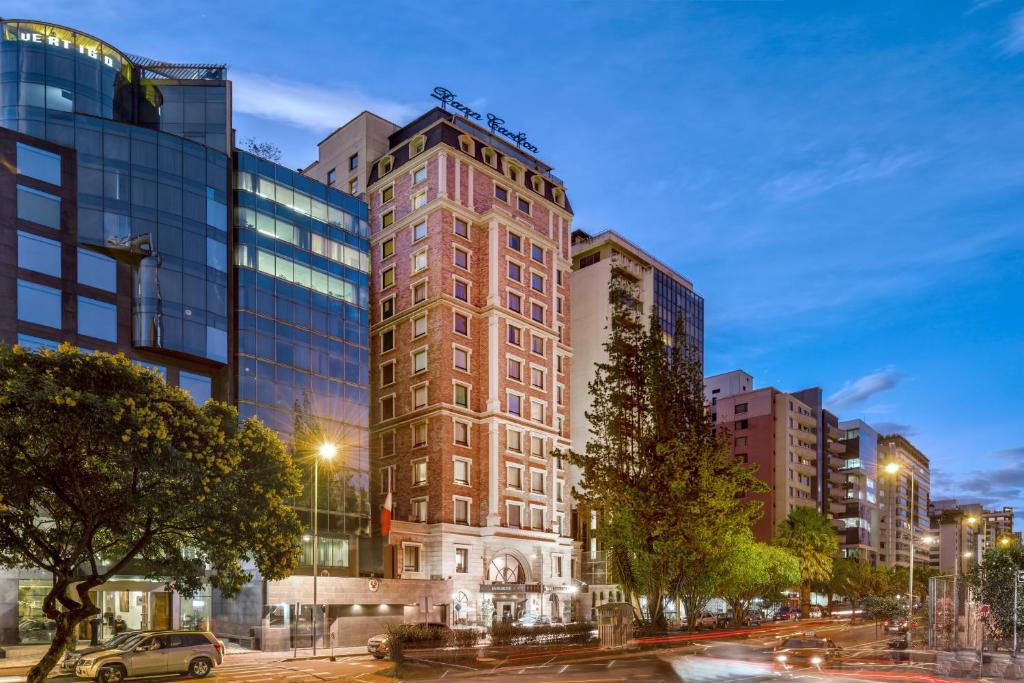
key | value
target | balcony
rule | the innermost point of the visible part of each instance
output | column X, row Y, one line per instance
column 834, row 432
column 837, row 477
column 627, row 265
column 837, row 508
column 804, row 419
column 836, row 446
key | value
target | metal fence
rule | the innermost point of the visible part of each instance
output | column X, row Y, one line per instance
column 953, row 619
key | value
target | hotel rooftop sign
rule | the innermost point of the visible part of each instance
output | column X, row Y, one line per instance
column 494, row 122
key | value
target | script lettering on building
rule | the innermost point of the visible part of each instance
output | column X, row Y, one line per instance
column 66, row 44
column 494, row 122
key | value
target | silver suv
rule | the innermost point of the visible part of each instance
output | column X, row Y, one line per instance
column 152, row 654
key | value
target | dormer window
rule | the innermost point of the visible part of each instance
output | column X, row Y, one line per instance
column 467, row 144
column 514, row 173
column 538, row 184
column 384, row 165
column 490, row 157
column 559, row 196
column 417, row 145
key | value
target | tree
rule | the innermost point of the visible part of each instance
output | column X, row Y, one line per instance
column 264, row 150
column 852, row 579
column 107, row 468
column 994, row 580
column 809, row 535
column 664, row 480
column 750, row 569
column 884, row 607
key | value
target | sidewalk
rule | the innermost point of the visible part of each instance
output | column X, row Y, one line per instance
column 240, row 656
column 19, row 656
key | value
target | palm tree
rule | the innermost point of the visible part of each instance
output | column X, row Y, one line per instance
column 809, row 535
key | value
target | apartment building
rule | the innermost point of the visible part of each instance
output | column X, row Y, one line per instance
column 778, row 432
column 596, row 259
column 345, row 156
column 903, row 513
column 958, row 531
column 853, row 492
column 470, row 363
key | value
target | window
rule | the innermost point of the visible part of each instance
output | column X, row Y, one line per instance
column 590, row 259
column 740, row 441
column 537, row 253
column 536, row 518
column 500, row 193
column 558, row 277
column 536, row 446
column 411, row 553
column 461, row 395
column 461, row 560
column 515, row 335
column 419, row 231
column 419, row 434
column 514, row 513
column 419, row 326
column 97, row 270
column 537, row 282
column 39, row 164
column 199, row 387
column 515, row 241
column 537, row 378
column 537, row 344
column 387, row 444
column 419, row 175
column 419, row 472
column 515, row 404
column 514, row 476
column 419, row 396
column 514, row 173
column 332, row 176
column 419, row 261
column 387, row 374
column 461, row 324
column 461, row 228
column 537, row 313
column 461, row 433
column 38, row 254
column 742, row 408
column 97, row 319
column 489, row 156
column 515, row 302
column 384, row 165
column 387, row 219
column 39, row 207
column 387, row 407
column 462, row 258
column 524, row 205
column 515, row 271
column 419, row 292
column 556, row 565
column 461, row 290
column 387, row 194
column 419, row 200
column 537, row 481
column 353, row 162
column 514, row 440
column 558, row 364
column 387, row 278
column 419, row 361
column 515, row 369
column 558, row 304
column 559, row 491
column 387, row 479
column 461, row 511
column 387, row 308
column 460, row 359
column 537, row 410
column 387, row 340
column 353, row 186
column 559, row 394
column 461, row 471
column 742, row 424
column 387, row 248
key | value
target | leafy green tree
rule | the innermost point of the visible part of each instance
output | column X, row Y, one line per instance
column 883, row 607
column 852, row 579
column 809, row 535
column 750, row 569
column 655, row 464
column 109, row 469
column 994, row 581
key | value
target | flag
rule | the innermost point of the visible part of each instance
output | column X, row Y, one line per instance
column 385, row 516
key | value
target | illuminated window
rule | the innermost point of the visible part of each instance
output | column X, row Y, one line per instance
column 419, row 261
column 387, row 194
column 387, row 278
column 419, row 199
column 387, row 248
column 461, row 395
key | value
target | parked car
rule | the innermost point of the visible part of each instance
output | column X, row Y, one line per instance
column 166, row 652
column 36, row 630
column 723, row 619
column 531, row 620
column 815, row 612
column 707, row 620
column 806, row 650
column 379, row 647
column 71, row 658
column 895, row 625
column 754, row 617
column 786, row 614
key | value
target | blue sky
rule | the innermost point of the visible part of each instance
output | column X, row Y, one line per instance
column 843, row 182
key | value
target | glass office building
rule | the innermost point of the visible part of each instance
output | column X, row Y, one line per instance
column 678, row 305
column 302, row 256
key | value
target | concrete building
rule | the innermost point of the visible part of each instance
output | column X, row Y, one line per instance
column 957, row 532
column 778, row 432
column 345, row 155
column 595, row 260
column 900, row 513
column 470, row 363
column 853, row 498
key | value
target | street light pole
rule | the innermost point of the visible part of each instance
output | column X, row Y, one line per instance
column 327, row 451
column 912, row 519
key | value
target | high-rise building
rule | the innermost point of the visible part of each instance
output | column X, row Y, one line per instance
column 902, row 514
column 853, row 487
column 596, row 259
column 346, row 155
column 778, row 432
column 470, row 362
column 959, row 531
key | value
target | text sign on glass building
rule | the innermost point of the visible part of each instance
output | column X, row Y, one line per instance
column 67, row 43
column 494, row 122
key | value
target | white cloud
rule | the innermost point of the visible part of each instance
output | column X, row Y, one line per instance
column 1014, row 43
column 865, row 387
column 305, row 105
column 855, row 168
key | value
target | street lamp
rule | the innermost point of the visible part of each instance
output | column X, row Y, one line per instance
column 327, row 451
column 893, row 468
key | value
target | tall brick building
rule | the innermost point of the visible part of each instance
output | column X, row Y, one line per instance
column 470, row 355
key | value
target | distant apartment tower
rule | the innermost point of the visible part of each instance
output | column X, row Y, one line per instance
column 778, row 432
column 853, row 500
column 956, row 529
column 901, row 514
column 470, row 361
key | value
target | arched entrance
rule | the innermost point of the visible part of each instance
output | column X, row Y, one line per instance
column 508, row 575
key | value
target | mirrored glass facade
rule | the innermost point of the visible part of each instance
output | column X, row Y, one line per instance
column 677, row 304
column 302, row 258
